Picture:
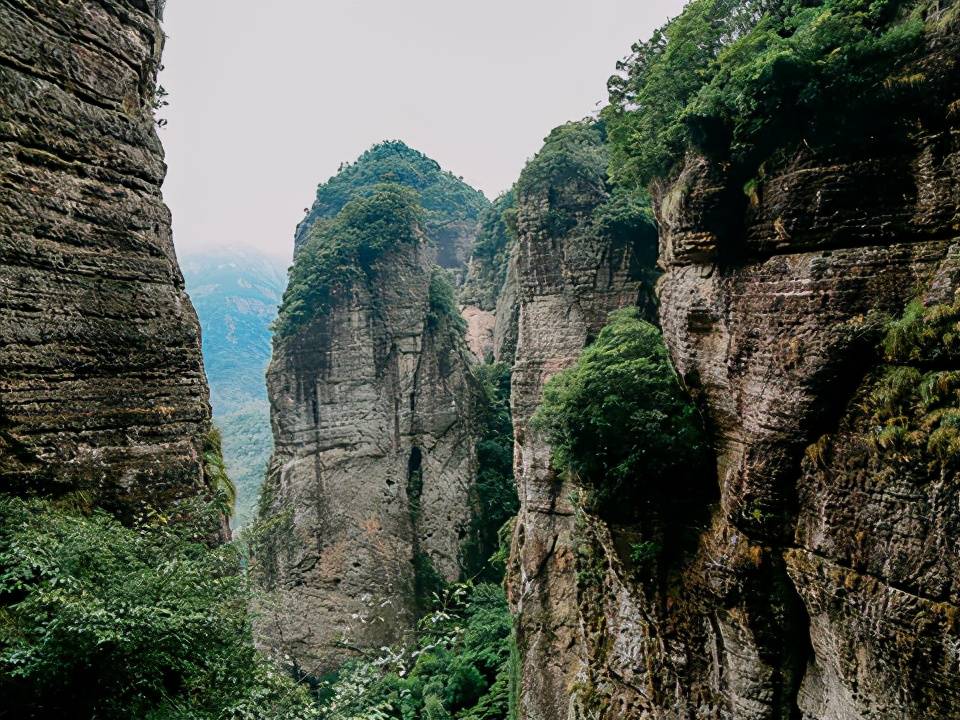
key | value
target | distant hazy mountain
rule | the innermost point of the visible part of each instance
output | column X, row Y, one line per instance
column 236, row 294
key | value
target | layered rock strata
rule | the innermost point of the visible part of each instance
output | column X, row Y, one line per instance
column 102, row 387
column 822, row 585
column 563, row 287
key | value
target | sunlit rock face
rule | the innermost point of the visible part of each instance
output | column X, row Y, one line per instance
column 369, row 488
column 102, row 387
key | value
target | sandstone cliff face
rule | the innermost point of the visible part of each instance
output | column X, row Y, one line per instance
column 374, row 463
column 565, row 286
column 823, row 584
column 101, row 382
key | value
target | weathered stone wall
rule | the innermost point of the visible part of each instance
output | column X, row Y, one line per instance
column 375, row 460
column 773, row 322
column 823, row 582
column 101, row 383
column 564, row 288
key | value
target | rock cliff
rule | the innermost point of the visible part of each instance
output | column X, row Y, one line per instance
column 569, row 275
column 102, row 387
column 369, row 488
column 822, row 585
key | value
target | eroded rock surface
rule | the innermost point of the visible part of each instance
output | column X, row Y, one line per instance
column 565, row 286
column 822, row 586
column 369, row 485
column 101, row 381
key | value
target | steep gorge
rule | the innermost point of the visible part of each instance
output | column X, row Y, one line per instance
column 811, row 310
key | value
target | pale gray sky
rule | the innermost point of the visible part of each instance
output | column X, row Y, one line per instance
column 268, row 97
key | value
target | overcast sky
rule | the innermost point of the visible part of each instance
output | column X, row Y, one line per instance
column 268, row 97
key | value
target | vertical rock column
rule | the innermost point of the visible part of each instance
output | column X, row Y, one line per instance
column 565, row 285
column 369, row 487
column 101, row 382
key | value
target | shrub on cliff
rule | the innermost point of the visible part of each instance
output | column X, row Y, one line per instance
column 618, row 420
column 101, row 620
column 442, row 309
column 570, row 173
column 738, row 79
column 345, row 248
column 914, row 403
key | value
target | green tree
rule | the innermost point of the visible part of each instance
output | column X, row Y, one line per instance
column 460, row 667
column 345, row 248
column 739, row 79
column 101, row 620
column 618, row 420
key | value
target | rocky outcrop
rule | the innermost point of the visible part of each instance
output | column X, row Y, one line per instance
column 566, row 284
column 101, row 383
column 822, row 585
column 369, row 488
column 507, row 313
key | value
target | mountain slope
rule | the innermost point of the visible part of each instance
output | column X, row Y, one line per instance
column 236, row 294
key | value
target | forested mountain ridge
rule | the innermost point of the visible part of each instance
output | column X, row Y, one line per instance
column 236, row 294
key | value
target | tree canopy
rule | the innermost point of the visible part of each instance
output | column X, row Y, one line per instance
column 345, row 248
column 443, row 196
column 738, row 78
column 619, row 420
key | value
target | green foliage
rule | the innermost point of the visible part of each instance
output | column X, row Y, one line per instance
column 443, row 311
column 496, row 234
column 572, row 154
column 924, row 334
column 570, row 171
column 496, row 229
column 495, row 491
column 344, row 249
column 460, row 667
column 914, row 405
column 618, row 421
column 215, row 473
column 738, row 79
column 101, row 620
column 644, row 552
column 443, row 196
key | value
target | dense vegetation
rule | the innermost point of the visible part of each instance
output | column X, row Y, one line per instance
column 344, row 248
column 495, row 491
column 460, row 667
column 443, row 196
column 391, row 195
column 737, row 79
column 618, row 420
column 914, row 403
column 442, row 309
column 570, row 172
column 101, row 620
column 215, row 474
